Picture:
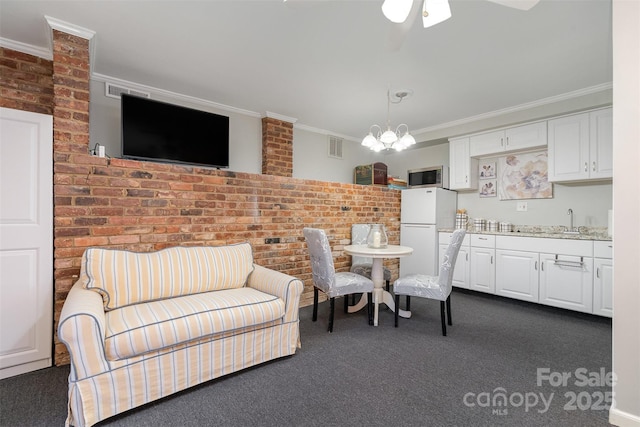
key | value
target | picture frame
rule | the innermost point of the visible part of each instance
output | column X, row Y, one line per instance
column 488, row 188
column 487, row 170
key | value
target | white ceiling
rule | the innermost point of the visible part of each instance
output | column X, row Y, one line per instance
column 328, row 64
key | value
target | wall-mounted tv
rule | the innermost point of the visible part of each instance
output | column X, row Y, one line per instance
column 162, row 132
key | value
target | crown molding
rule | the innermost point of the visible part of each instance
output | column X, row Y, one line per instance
column 74, row 30
column 534, row 104
column 41, row 52
column 172, row 95
column 325, row 132
column 281, row 117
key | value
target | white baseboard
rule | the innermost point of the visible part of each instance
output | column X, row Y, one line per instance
column 623, row 419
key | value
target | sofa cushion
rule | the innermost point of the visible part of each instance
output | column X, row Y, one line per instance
column 140, row 328
column 124, row 278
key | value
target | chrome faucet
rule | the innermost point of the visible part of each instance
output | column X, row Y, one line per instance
column 571, row 230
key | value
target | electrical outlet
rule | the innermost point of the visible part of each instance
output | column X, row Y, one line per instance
column 521, row 206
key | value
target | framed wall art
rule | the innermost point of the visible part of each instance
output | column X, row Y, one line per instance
column 524, row 176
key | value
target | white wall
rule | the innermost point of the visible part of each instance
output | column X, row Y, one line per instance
column 311, row 159
column 626, row 207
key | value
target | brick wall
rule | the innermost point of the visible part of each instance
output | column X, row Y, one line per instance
column 277, row 147
column 25, row 82
column 148, row 206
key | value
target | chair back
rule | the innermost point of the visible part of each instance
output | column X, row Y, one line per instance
column 359, row 233
column 445, row 278
column 322, row 267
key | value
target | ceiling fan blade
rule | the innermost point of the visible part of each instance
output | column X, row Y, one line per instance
column 398, row 32
column 397, row 11
column 517, row 4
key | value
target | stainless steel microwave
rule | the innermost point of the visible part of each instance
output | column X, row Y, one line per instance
column 433, row 176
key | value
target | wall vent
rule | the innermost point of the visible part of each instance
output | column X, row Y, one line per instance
column 115, row 91
column 335, row 147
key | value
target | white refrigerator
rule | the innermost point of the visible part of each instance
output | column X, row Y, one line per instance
column 423, row 211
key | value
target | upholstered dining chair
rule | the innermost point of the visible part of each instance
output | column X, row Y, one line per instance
column 325, row 278
column 362, row 265
column 433, row 287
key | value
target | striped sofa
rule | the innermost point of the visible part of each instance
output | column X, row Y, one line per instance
column 140, row 326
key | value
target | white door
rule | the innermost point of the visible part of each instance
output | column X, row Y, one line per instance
column 424, row 241
column 26, row 241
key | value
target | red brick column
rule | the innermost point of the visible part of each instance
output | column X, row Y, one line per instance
column 277, row 147
column 70, row 141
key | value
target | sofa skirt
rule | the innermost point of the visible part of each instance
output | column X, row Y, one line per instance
column 143, row 379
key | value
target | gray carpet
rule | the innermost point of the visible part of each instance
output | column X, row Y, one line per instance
column 410, row 376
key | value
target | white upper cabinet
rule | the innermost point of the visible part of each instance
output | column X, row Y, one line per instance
column 463, row 170
column 601, row 143
column 581, row 147
column 524, row 137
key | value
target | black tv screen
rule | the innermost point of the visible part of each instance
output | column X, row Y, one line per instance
column 158, row 131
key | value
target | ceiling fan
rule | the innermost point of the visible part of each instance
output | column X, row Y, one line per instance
column 436, row 11
column 433, row 12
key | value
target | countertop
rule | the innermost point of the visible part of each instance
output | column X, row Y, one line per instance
column 586, row 233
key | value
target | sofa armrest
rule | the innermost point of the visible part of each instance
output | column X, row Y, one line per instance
column 281, row 285
column 82, row 329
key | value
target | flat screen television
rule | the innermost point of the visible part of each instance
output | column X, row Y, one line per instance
column 162, row 132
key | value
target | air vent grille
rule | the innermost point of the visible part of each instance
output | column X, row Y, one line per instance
column 335, row 147
column 115, row 91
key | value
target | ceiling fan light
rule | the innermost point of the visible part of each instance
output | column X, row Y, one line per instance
column 397, row 11
column 407, row 140
column 434, row 12
column 388, row 137
column 369, row 140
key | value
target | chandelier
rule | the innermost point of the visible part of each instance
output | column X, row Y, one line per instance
column 398, row 140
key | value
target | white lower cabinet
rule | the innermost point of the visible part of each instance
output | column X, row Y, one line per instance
column 566, row 273
column 461, row 270
column 567, row 282
column 603, row 279
column 517, row 274
column 482, row 271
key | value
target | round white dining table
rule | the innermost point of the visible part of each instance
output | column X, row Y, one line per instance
column 380, row 295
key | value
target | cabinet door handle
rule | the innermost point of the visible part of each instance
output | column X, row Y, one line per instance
column 542, row 266
column 594, row 166
column 482, row 238
column 586, row 167
column 467, row 257
column 491, row 259
column 501, row 142
column 507, row 141
column 535, row 266
column 598, row 273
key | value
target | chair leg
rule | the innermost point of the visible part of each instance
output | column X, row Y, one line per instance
column 388, row 286
column 315, row 304
column 449, row 310
column 397, row 310
column 444, row 326
column 370, row 307
column 408, row 303
column 346, row 303
column 331, row 311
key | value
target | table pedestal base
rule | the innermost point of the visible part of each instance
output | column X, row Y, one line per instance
column 380, row 296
